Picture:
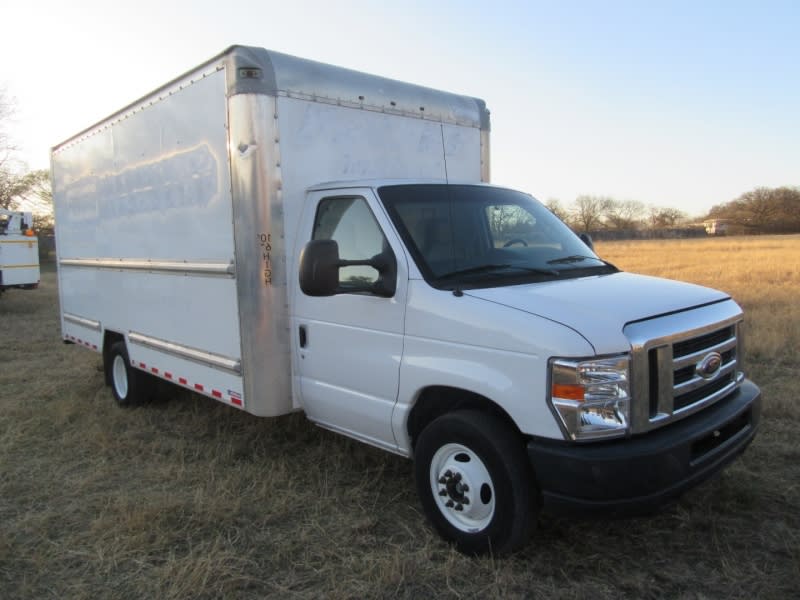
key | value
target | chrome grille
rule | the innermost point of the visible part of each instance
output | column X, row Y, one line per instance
column 667, row 351
column 689, row 388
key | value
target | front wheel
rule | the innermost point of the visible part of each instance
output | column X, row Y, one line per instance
column 474, row 482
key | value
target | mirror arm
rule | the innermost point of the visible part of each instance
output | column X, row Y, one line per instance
column 383, row 265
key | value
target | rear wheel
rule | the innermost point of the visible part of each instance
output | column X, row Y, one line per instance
column 129, row 385
column 474, row 482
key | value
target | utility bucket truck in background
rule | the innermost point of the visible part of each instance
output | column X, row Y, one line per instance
column 280, row 235
column 19, row 251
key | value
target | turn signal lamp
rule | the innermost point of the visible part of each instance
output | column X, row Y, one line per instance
column 591, row 397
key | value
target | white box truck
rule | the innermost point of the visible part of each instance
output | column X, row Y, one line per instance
column 282, row 235
column 19, row 251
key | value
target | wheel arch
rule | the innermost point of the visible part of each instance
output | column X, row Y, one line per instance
column 437, row 400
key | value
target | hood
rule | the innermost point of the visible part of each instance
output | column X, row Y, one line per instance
column 598, row 308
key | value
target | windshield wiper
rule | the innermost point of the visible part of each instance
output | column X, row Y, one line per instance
column 579, row 258
column 495, row 267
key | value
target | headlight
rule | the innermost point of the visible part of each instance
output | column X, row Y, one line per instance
column 591, row 397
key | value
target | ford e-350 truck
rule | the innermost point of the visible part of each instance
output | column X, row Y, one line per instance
column 281, row 235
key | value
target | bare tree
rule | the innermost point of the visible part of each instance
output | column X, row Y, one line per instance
column 588, row 212
column 763, row 210
column 665, row 217
column 9, row 184
column 7, row 149
column 32, row 189
column 625, row 214
column 555, row 207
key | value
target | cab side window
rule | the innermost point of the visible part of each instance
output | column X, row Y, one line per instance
column 351, row 224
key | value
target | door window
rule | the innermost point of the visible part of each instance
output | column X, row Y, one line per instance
column 350, row 222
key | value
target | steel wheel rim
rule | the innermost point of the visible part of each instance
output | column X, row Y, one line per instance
column 119, row 373
column 462, row 488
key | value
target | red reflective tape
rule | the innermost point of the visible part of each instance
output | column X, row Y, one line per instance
column 216, row 394
column 94, row 347
column 167, row 374
column 236, row 401
column 198, row 387
column 142, row 366
column 154, row 370
column 182, row 381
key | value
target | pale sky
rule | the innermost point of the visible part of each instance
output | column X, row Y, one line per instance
column 671, row 103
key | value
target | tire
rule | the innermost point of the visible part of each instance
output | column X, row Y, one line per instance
column 130, row 386
column 475, row 483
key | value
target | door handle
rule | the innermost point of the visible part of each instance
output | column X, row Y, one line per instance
column 303, row 336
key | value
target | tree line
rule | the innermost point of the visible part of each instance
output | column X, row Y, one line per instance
column 596, row 213
column 762, row 210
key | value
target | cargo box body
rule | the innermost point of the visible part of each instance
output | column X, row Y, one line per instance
column 176, row 217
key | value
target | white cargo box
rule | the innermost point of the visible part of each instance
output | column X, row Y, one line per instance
column 175, row 215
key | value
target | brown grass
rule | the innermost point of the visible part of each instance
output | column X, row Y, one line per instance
column 186, row 498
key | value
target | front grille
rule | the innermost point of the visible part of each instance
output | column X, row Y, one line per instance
column 669, row 356
column 701, row 393
column 688, row 387
column 702, row 342
column 685, row 374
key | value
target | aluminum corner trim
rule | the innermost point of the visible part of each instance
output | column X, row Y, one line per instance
column 238, row 58
column 217, row 361
column 219, row 269
column 88, row 323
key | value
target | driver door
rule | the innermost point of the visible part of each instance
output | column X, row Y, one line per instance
column 349, row 346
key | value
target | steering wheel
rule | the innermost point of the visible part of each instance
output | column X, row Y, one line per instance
column 515, row 241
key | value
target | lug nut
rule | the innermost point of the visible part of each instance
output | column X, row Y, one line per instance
column 465, row 501
column 448, row 473
column 458, row 476
column 443, row 492
column 449, row 504
column 442, row 480
column 459, row 507
column 464, row 487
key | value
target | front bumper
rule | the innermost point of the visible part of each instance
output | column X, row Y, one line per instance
column 644, row 472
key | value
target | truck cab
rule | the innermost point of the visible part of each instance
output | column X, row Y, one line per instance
column 468, row 327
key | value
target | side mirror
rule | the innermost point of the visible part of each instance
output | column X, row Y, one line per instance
column 319, row 268
column 319, row 271
column 587, row 239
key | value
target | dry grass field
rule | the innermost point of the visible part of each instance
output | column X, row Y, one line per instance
column 186, row 498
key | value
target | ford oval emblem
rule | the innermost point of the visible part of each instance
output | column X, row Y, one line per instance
column 709, row 367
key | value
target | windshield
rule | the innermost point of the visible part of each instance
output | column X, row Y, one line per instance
column 481, row 236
